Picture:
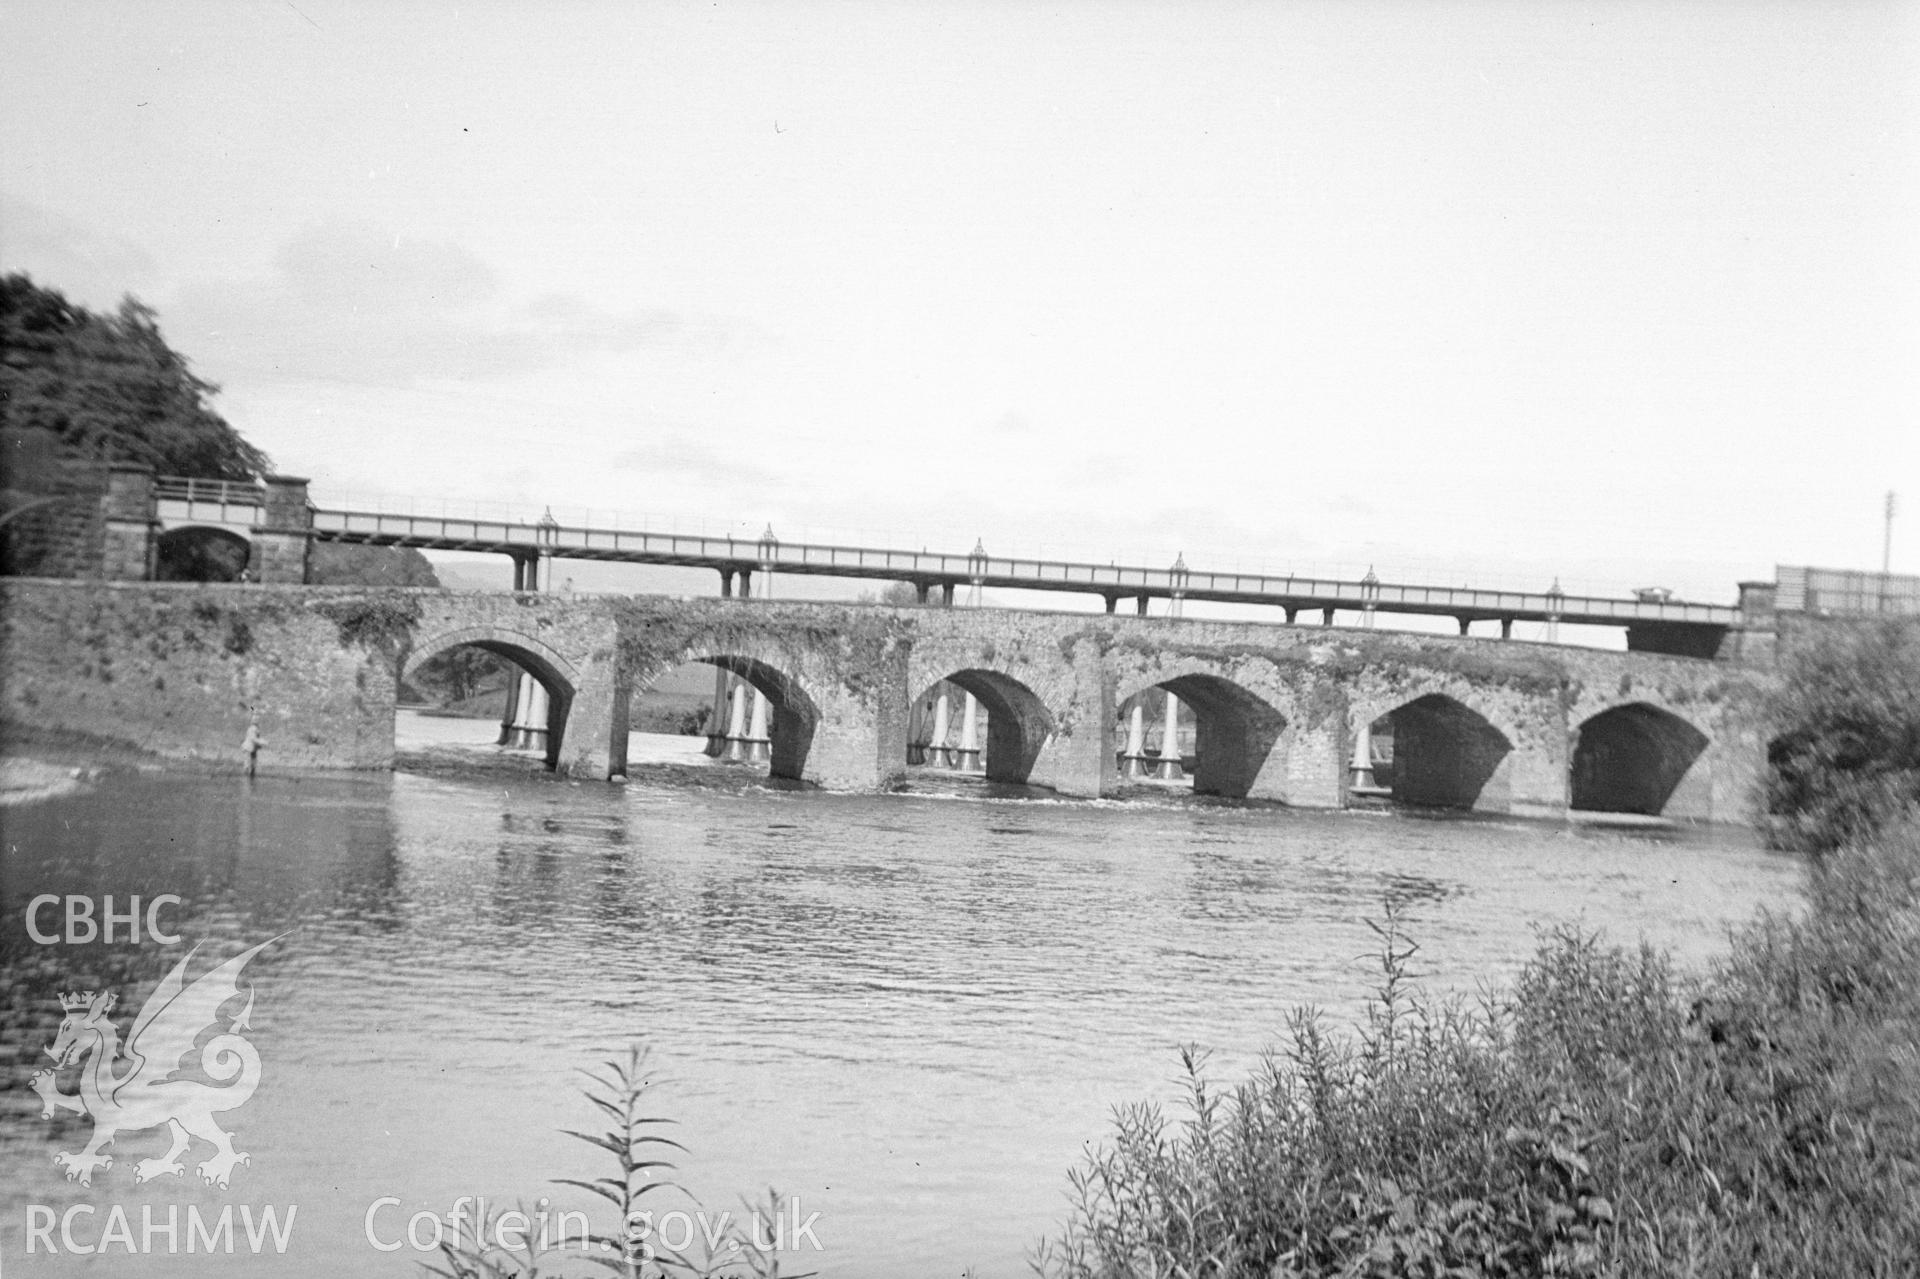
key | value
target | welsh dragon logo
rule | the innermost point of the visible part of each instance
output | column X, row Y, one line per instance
column 132, row 1088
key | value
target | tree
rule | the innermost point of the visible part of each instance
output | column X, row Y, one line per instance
column 108, row 388
column 344, row 564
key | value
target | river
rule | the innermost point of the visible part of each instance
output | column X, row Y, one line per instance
column 908, row 1011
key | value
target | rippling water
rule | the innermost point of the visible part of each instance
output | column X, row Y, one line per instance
column 910, row 1011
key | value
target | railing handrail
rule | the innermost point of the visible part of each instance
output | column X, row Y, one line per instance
column 1010, row 571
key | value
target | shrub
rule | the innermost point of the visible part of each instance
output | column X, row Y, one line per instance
column 1606, row 1117
column 1844, row 754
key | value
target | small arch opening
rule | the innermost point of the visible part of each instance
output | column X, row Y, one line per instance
column 1634, row 759
column 1223, row 735
column 1438, row 753
column 979, row 721
column 750, row 714
column 198, row 553
column 478, row 694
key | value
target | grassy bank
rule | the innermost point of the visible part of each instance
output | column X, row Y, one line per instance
column 1606, row 1116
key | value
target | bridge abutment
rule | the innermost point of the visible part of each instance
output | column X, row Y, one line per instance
column 128, row 527
column 283, row 547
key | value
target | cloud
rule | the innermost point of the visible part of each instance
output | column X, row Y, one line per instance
column 90, row 266
column 686, row 461
column 349, row 302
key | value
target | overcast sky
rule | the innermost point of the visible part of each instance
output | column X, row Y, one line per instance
column 1619, row 293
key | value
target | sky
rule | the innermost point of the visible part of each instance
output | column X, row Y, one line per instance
column 1617, row 294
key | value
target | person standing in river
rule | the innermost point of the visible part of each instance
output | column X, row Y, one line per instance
column 251, row 744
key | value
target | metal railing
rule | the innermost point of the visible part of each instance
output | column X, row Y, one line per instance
column 220, row 492
column 949, row 568
column 184, row 500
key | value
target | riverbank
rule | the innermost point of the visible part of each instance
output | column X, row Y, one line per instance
column 23, row 781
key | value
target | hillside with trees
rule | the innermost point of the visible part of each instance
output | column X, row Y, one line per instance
column 108, row 388
column 78, row 387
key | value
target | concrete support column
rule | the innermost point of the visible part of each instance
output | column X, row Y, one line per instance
column 1466, row 624
column 746, row 583
column 759, row 744
column 1112, row 601
column 946, row 595
column 129, row 524
column 920, row 591
column 968, row 760
column 1326, row 617
column 1362, row 771
column 1170, row 769
column 1506, row 628
column 1134, row 762
column 1291, row 614
column 513, row 713
column 717, row 716
column 529, row 732
column 737, row 726
column 283, row 548
column 726, row 583
column 938, row 753
column 1140, row 605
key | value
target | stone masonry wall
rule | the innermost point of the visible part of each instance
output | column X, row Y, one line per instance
column 178, row 669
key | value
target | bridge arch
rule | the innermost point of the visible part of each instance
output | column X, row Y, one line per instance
column 1238, row 734
column 1019, row 725
column 795, row 715
column 1446, row 754
column 1636, row 757
column 547, row 666
column 201, row 553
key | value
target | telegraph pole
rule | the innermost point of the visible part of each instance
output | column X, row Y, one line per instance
column 1886, row 544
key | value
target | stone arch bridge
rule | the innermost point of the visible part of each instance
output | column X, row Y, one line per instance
column 1527, row 729
column 1477, row 723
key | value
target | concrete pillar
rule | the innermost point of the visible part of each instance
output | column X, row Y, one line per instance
column 1134, row 762
column 717, row 716
column 920, row 591
column 1170, row 769
column 946, row 595
column 283, row 548
column 1506, row 628
column 129, row 524
column 510, row 714
column 726, row 583
column 1466, row 624
column 737, row 726
column 968, row 760
column 746, row 583
column 1326, row 617
column 1140, row 605
column 938, row 753
column 530, row 718
column 759, row 744
column 1112, row 602
column 1291, row 614
column 1362, row 771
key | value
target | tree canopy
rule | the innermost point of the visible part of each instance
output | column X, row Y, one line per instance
column 109, row 388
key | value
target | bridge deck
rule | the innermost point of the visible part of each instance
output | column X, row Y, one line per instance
column 240, row 506
column 941, row 568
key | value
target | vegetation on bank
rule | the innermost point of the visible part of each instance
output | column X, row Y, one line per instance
column 1607, row 1116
